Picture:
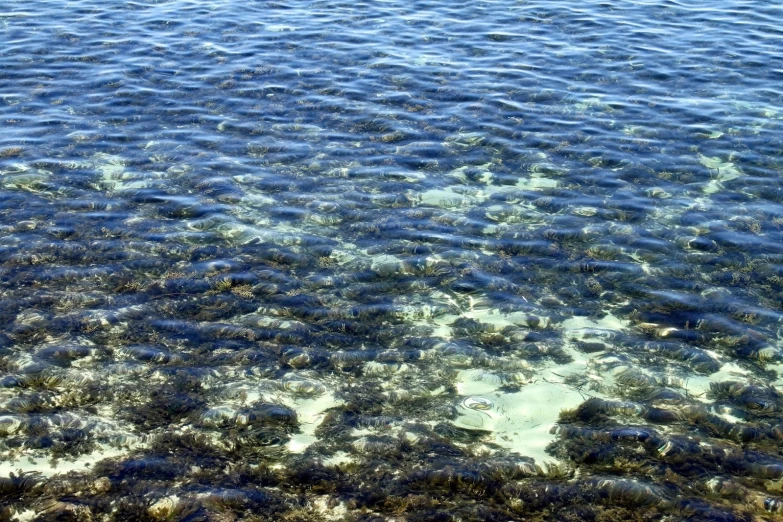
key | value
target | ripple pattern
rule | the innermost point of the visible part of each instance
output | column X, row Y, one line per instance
column 321, row 260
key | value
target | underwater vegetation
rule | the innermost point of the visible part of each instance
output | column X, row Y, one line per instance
column 300, row 261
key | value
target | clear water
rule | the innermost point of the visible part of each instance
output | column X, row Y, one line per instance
column 390, row 260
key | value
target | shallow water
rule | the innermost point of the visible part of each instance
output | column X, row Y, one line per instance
column 390, row 260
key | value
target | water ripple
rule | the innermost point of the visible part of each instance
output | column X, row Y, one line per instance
column 324, row 259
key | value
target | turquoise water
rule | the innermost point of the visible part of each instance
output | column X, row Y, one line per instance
column 390, row 260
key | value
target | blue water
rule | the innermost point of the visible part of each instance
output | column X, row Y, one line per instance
column 424, row 260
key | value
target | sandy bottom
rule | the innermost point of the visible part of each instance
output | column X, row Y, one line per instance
column 32, row 461
column 521, row 421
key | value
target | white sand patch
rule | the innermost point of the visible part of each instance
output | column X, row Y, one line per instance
column 299, row 442
column 609, row 322
column 476, row 381
column 310, row 412
column 384, row 263
column 338, row 459
column 698, row 386
column 521, row 421
column 24, row 516
column 536, row 182
column 33, row 461
column 322, row 505
column 722, row 170
column 777, row 383
column 474, row 308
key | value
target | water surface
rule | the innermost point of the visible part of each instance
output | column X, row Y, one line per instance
column 391, row 260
